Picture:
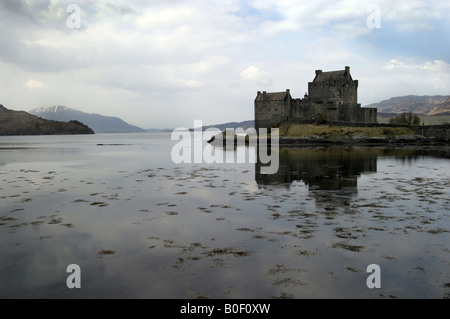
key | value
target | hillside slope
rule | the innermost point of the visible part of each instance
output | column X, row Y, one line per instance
column 23, row 123
column 426, row 105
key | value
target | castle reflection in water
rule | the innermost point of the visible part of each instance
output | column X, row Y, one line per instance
column 321, row 169
column 334, row 168
column 324, row 168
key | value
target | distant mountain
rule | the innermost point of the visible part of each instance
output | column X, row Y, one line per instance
column 426, row 105
column 23, row 123
column 99, row 123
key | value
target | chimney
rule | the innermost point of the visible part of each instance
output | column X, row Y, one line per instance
column 318, row 72
column 288, row 91
column 347, row 69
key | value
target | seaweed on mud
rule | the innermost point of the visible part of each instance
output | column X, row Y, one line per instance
column 37, row 223
column 105, row 252
column 7, row 218
column 387, row 257
column 205, row 210
column 43, row 238
column 284, row 295
column 343, row 245
column 18, row 225
column 437, row 231
column 307, row 252
column 228, row 251
column 258, row 237
column 55, row 221
column 245, row 229
column 284, row 275
column 99, row 204
column 80, row 201
column 345, row 233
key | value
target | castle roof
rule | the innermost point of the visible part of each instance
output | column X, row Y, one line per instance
column 332, row 75
column 275, row 96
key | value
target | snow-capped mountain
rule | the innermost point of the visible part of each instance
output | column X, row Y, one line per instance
column 22, row 123
column 99, row 123
column 54, row 109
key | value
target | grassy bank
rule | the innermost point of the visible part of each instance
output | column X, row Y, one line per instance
column 327, row 131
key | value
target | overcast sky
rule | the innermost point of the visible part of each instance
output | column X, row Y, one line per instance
column 166, row 63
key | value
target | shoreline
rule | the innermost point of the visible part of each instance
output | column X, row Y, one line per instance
column 366, row 141
column 416, row 140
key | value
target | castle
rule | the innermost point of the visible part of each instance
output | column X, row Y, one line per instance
column 332, row 97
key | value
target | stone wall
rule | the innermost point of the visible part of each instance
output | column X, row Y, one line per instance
column 439, row 132
column 270, row 112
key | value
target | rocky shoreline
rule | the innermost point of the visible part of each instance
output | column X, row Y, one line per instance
column 362, row 140
column 418, row 140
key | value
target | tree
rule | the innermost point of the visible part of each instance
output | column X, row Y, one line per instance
column 405, row 118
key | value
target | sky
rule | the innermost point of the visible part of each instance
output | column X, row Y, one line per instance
column 166, row 63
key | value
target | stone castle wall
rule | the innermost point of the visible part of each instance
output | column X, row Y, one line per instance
column 332, row 97
column 272, row 113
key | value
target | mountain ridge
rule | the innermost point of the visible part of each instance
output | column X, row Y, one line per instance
column 422, row 105
column 99, row 123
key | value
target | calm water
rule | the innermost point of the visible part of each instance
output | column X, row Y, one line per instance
column 141, row 226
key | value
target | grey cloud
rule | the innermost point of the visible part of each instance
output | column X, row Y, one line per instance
column 17, row 7
column 122, row 9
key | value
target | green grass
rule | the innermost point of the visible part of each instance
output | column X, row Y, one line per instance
column 327, row 131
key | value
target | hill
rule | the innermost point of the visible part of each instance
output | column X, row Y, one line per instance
column 23, row 123
column 99, row 123
column 422, row 105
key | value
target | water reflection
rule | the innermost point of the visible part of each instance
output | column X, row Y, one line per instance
column 331, row 173
column 210, row 230
column 333, row 168
column 319, row 168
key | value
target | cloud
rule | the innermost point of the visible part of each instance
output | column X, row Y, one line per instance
column 403, row 76
column 348, row 18
column 33, row 84
column 182, row 58
column 435, row 66
column 255, row 75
